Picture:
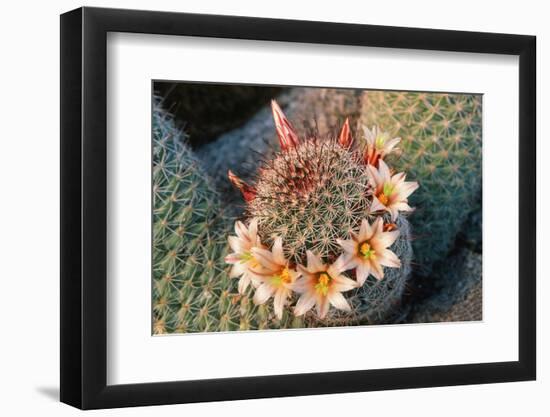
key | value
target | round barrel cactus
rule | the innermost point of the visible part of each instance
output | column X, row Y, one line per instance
column 323, row 228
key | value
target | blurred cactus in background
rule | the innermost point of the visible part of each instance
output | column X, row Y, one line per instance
column 441, row 148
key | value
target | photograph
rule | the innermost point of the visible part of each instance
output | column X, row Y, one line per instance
column 291, row 207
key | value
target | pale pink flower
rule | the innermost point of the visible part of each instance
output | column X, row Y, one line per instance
column 367, row 251
column 391, row 192
column 379, row 144
column 276, row 277
column 245, row 264
column 322, row 285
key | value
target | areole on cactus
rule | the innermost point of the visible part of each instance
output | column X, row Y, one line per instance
column 310, row 204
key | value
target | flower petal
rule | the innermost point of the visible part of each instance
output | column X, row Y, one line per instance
column 362, row 272
column 294, row 275
column 314, row 262
column 365, row 231
column 302, row 285
column 304, row 304
column 390, row 144
column 402, row 206
column 323, row 305
column 388, row 258
column 342, row 283
column 349, row 246
column 232, row 258
column 374, row 176
column 279, row 302
column 258, row 274
column 278, row 254
column 384, row 171
column 339, row 301
column 237, row 270
column 265, row 258
column 397, row 180
column 376, row 270
column 370, row 135
column 349, row 262
column 263, row 293
column 383, row 240
column 237, row 245
column 338, row 266
column 378, row 227
column 406, row 189
column 394, row 212
column 243, row 283
column 240, row 230
column 253, row 230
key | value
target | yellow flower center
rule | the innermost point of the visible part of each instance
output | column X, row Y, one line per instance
column 247, row 257
column 384, row 195
column 366, row 251
column 323, row 281
column 282, row 278
column 383, row 198
column 380, row 141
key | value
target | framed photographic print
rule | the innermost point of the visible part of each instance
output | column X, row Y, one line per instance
column 258, row 208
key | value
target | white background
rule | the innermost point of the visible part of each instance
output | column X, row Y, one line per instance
column 29, row 213
column 133, row 60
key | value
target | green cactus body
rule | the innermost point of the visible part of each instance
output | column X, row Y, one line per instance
column 190, row 290
column 441, row 149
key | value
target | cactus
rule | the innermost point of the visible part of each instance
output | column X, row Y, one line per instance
column 187, row 247
column 441, row 148
column 314, row 195
column 310, row 196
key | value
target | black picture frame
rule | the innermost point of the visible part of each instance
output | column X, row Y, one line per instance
column 84, row 207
